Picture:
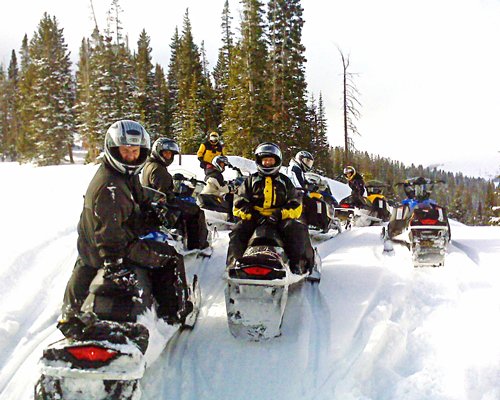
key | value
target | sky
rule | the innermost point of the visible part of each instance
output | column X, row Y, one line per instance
column 427, row 71
column 375, row 327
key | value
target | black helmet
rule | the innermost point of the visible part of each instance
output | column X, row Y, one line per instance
column 305, row 160
column 216, row 162
column 268, row 149
column 162, row 144
column 126, row 133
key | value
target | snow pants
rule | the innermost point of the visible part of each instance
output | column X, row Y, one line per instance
column 196, row 225
column 166, row 283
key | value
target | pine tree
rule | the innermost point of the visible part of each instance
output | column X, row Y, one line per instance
column 173, row 85
column 287, row 75
column 189, row 118
column 318, row 143
column 51, row 94
column 3, row 114
column 160, row 99
column 86, row 104
column 221, row 70
column 145, row 105
column 9, row 115
column 246, row 116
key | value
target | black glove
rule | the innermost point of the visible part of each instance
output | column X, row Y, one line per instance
column 275, row 217
column 121, row 276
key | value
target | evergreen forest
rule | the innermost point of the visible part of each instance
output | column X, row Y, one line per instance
column 256, row 92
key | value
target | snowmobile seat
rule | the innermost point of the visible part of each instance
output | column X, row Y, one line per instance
column 266, row 235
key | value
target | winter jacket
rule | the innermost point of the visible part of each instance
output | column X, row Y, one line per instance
column 296, row 175
column 265, row 194
column 208, row 151
column 215, row 184
column 114, row 215
column 357, row 185
column 155, row 175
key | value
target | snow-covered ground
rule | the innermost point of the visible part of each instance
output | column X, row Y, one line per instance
column 375, row 328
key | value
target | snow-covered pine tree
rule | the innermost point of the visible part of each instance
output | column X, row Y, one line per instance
column 188, row 121
column 173, row 85
column 145, row 105
column 160, row 102
column 51, row 94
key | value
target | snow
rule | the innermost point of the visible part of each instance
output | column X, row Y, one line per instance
column 374, row 328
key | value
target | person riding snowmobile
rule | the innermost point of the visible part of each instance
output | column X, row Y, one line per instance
column 299, row 165
column 209, row 149
column 156, row 175
column 216, row 194
column 357, row 185
column 269, row 197
column 115, row 214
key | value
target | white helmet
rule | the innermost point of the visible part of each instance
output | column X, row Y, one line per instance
column 216, row 162
column 268, row 149
column 305, row 160
column 126, row 133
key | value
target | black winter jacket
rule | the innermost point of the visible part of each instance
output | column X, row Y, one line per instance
column 155, row 175
column 114, row 215
column 265, row 194
column 357, row 185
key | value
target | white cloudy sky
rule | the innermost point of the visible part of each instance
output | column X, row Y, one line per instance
column 429, row 70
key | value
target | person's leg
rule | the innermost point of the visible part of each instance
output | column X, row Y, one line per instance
column 238, row 240
column 77, row 289
column 297, row 245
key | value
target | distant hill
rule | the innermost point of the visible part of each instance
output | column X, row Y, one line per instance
column 485, row 166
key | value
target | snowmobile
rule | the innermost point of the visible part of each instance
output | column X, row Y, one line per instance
column 257, row 286
column 420, row 224
column 380, row 207
column 351, row 214
column 172, row 225
column 321, row 220
column 106, row 359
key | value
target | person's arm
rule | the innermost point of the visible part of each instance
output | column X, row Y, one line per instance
column 201, row 152
column 242, row 205
column 293, row 206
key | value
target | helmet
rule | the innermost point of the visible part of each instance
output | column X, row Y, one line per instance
column 216, row 162
column 126, row 133
column 349, row 170
column 162, row 144
column 213, row 137
column 268, row 149
column 305, row 160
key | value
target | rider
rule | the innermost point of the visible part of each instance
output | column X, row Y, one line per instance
column 269, row 197
column 216, row 193
column 114, row 216
column 357, row 185
column 209, row 149
column 302, row 163
column 156, row 176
